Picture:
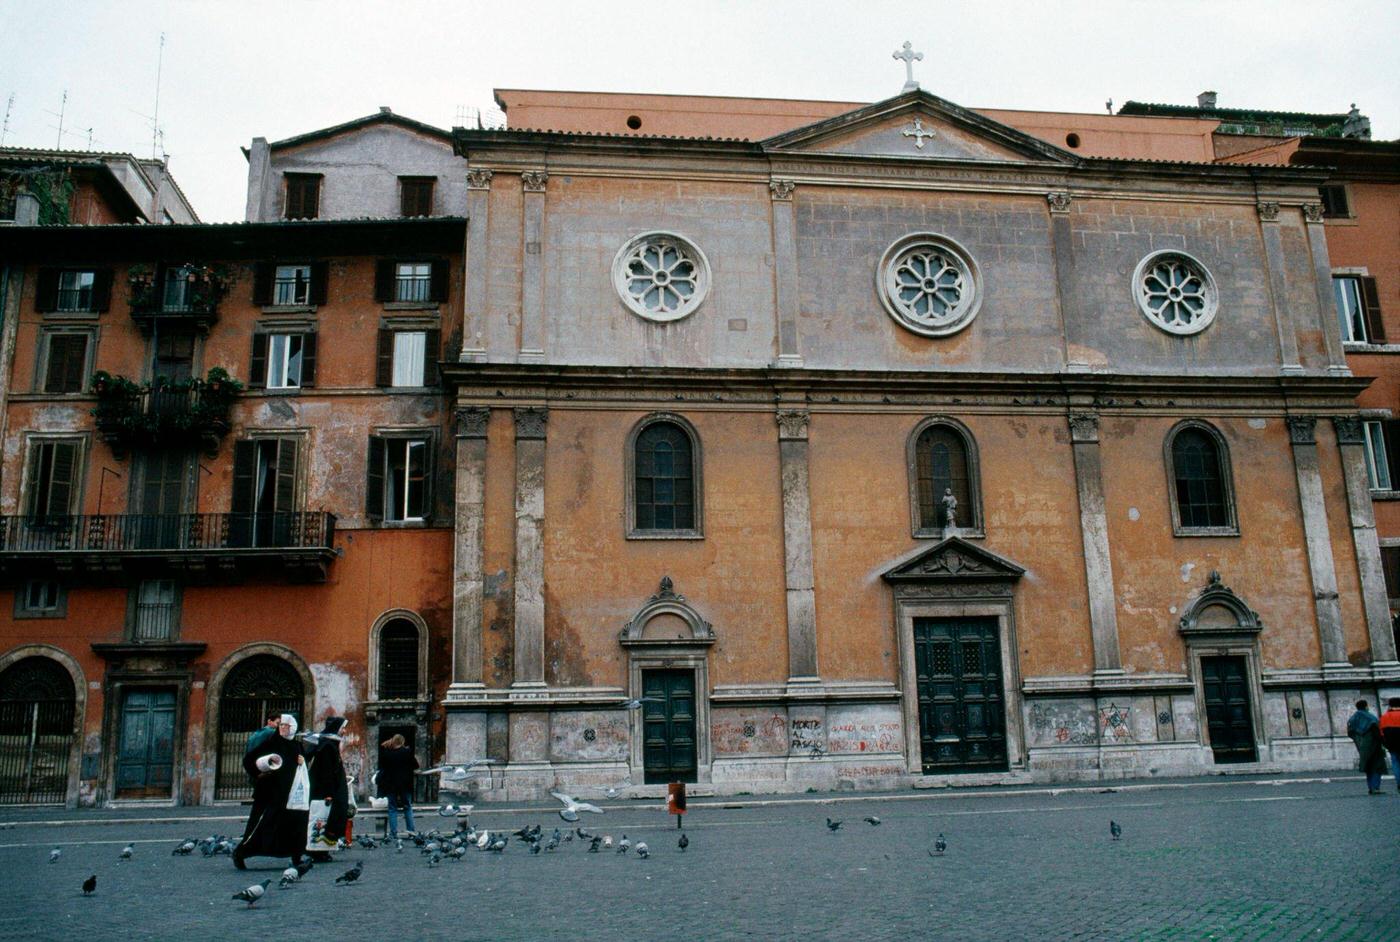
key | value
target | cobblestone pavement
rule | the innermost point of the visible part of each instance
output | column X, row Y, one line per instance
column 1235, row 862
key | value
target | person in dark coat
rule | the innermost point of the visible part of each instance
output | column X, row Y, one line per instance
column 396, row 766
column 328, row 784
column 1365, row 731
column 273, row 829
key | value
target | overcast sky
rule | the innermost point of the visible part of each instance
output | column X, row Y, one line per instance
column 244, row 68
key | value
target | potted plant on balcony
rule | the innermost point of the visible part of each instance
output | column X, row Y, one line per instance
column 164, row 412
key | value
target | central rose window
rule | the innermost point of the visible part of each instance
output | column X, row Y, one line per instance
column 929, row 284
column 661, row 276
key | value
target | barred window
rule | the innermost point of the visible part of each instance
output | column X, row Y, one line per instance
column 664, row 480
column 1201, row 485
column 398, row 661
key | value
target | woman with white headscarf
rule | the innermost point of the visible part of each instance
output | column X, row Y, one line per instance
column 273, row 829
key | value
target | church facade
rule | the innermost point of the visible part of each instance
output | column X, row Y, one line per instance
column 902, row 447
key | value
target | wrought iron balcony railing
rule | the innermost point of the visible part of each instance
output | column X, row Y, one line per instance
column 164, row 413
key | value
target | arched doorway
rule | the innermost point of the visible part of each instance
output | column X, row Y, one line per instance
column 255, row 688
column 37, row 704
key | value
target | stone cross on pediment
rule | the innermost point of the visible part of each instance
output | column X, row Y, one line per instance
column 907, row 53
column 918, row 132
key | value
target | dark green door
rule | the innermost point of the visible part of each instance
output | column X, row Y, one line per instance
column 668, row 726
column 146, row 743
column 1228, row 714
column 962, row 719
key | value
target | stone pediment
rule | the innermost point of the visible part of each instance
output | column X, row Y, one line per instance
column 954, row 560
column 1219, row 612
column 918, row 125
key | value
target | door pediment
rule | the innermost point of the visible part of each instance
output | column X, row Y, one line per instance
column 953, row 560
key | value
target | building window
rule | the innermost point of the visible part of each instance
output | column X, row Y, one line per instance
column 265, row 492
column 398, row 660
column 283, row 360
column 75, row 290
column 407, row 358
column 155, row 610
column 52, row 479
column 1175, row 292
column 303, row 195
column 65, row 361
column 1377, row 456
column 178, row 294
column 294, row 284
column 1358, row 308
column 943, row 469
column 1334, row 201
column 664, row 479
column 291, row 285
column 399, row 478
column 661, row 276
column 1201, row 492
column 172, row 355
column 40, row 598
column 411, row 281
column 416, row 195
column 929, row 284
column 1390, row 562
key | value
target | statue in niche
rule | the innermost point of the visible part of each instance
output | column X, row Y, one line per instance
column 950, row 509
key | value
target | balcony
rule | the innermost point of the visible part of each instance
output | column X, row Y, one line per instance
column 201, row 547
column 166, row 413
column 176, row 296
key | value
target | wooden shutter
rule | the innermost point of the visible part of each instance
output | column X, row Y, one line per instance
column 101, row 289
column 67, row 363
column 284, row 500
column 438, row 288
column 1371, row 308
column 1390, row 431
column 308, row 359
column 384, row 280
column 374, row 479
column 384, row 359
column 432, row 352
column 61, row 478
column 257, row 370
column 32, row 478
column 263, row 275
column 245, row 462
column 320, row 274
column 46, row 291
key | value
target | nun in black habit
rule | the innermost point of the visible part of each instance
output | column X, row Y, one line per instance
column 329, row 784
column 273, row 829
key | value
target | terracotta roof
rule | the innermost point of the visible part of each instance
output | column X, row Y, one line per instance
column 379, row 117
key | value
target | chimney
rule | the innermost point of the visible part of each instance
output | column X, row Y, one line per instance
column 260, row 182
column 1205, row 100
column 385, row 109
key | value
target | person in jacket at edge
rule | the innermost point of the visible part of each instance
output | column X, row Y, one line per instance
column 1390, row 735
column 273, row 829
column 328, row 784
column 269, row 729
column 1365, row 731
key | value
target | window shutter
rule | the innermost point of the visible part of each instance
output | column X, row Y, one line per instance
column 262, row 282
column 432, row 352
column 245, row 458
column 384, row 280
column 257, row 370
column 374, row 479
column 439, row 282
column 67, row 358
column 284, row 501
column 320, row 274
column 1371, row 305
column 46, row 291
column 101, row 289
column 308, row 359
column 36, row 459
column 65, row 461
column 1390, row 431
column 384, row 360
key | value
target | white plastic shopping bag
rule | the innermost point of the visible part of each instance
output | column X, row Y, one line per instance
column 299, row 799
column 320, row 811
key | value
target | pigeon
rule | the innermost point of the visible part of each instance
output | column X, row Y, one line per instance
column 941, row 844
column 529, row 833
column 366, row 842
column 289, row 876
column 624, row 845
column 484, row 840
column 607, row 840
column 568, row 837
column 127, row 851
column 535, row 848
column 553, row 844
column 833, row 826
column 251, row 894
column 351, row 875
column 499, row 844
column 89, row 884
column 642, row 850
column 683, row 843
column 1115, row 829
column 637, row 703
column 434, row 859
column 612, row 793
column 583, row 835
column 398, row 845
column 872, row 820
column 571, row 807
column 303, row 868
column 458, row 853
column 55, row 854
column 594, row 844
column 432, row 847
column 184, row 850
column 450, row 810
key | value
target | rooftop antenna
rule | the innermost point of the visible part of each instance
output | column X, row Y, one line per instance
column 1109, row 105
column 63, row 106
column 5, row 128
column 155, row 116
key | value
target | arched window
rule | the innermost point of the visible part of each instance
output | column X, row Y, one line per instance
column 664, row 479
column 37, row 702
column 398, row 660
column 1201, row 495
column 943, row 477
column 255, row 688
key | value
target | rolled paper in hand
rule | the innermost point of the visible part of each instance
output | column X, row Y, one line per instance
column 270, row 763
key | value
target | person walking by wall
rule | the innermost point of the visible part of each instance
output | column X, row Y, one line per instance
column 330, row 792
column 1390, row 736
column 1365, row 731
column 396, row 768
column 273, row 830
column 269, row 729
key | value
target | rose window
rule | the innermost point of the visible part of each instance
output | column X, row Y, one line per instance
column 661, row 276
column 1175, row 292
column 929, row 285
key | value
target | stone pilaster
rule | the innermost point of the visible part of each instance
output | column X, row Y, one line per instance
column 1062, row 247
column 1278, row 288
column 1302, row 432
column 529, row 546
column 1351, row 442
column 1326, row 306
column 476, row 256
column 1093, row 525
column 532, row 326
column 797, row 548
column 467, row 560
column 785, row 271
